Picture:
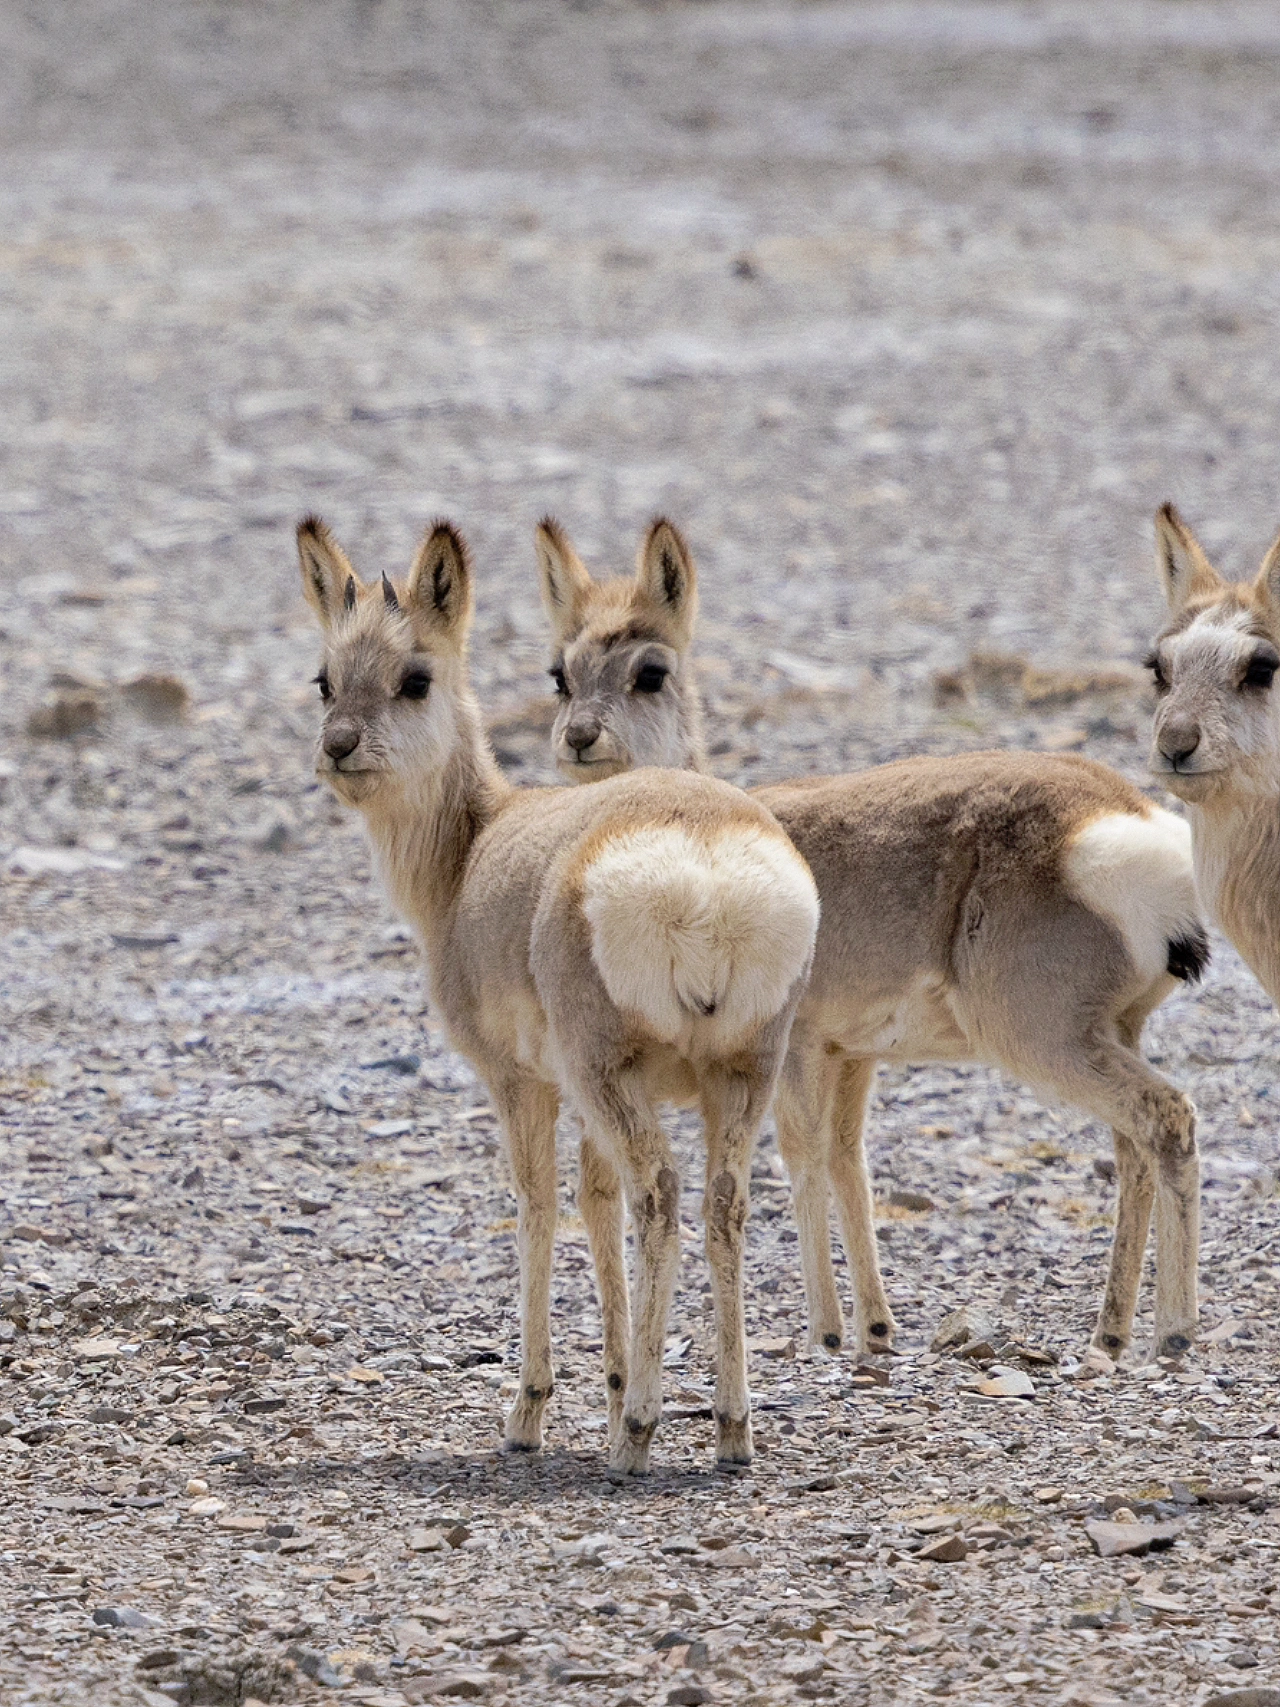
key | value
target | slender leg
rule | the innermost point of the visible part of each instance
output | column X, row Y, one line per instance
column 1136, row 1183
column 1155, row 1137
column 733, row 1107
column 600, row 1201
column 527, row 1109
column 618, row 1112
column 802, row 1111
column 852, row 1185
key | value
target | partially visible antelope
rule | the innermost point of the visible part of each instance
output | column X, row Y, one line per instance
column 1216, row 741
column 1020, row 909
column 614, row 948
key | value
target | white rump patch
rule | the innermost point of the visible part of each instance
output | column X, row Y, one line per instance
column 686, row 929
column 1138, row 873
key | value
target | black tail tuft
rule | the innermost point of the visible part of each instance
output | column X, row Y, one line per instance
column 1188, row 955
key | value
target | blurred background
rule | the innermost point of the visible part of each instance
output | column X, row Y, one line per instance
column 909, row 314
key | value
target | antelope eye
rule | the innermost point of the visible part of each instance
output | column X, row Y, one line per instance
column 561, row 683
column 1161, row 681
column 416, row 685
column 1261, row 671
column 650, row 677
column 322, row 682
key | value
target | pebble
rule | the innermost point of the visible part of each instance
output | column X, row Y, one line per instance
column 207, row 1507
column 961, row 1327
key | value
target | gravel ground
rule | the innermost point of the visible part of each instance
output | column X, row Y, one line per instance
column 910, row 315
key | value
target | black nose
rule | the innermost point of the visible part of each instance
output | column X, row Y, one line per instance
column 580, row 736
column 340, row 741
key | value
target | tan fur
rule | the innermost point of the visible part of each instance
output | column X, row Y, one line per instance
column 1216, row 737
column 573, row 960
column 1016, row 909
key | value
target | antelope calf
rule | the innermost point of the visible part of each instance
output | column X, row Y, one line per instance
column 614, row 948
column 1019, row 909
column 1216, row 740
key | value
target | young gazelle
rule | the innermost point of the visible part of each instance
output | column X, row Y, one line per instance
column 1216, row 742
column 642, row 942
column 1023, row 910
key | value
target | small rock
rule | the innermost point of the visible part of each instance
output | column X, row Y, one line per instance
column 352, row 1574
column 1007, row 1384
column 679, row 1544
column 1263, row 1697
column 241, row 1525
column 156, row 697
column 962, row 1327
column 124, row 1618
column 948, row 1550
column 196, row 1487
column 1047, row 1496
column 426, row 1541
column 916, row 1201
column 1114, row 1538
column 110, row 1414
column 688, row 1695
column 406, row 1065
column 208, row 1507
column 66, row 715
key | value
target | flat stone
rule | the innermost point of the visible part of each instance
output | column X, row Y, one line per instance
column 95, row 1351
column 1112, row 1539
column 426, row 1541
column 124, row 1618
column 1263, row 1697
column 948, row 1550
column 246, row 1525
column 456, row 1685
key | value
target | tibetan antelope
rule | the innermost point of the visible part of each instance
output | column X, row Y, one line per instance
column 1023, row 910
column 1216, row 740
column 611, row 948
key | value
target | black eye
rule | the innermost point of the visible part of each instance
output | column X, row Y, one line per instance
column 1261, row 671
column 416, row 685
column 1161, row 681
column 650, row 677
column 322, row 682
column 558, row 677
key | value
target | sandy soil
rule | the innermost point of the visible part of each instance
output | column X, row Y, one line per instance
column 910, row 315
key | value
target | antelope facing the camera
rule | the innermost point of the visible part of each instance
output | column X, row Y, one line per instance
column 616, row 948
column 1019, row 909
column 1216, row 741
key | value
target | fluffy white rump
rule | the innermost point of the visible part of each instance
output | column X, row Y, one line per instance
column 1138, row 872
column 708, row 934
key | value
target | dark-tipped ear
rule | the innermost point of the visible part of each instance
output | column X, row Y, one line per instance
column 328, row 580
column 1267, row 583
column 1185, row 571
column 438, row 591
column 563, row 576
column 666, row 577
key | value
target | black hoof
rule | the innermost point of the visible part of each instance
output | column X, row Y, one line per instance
column 833, row 1342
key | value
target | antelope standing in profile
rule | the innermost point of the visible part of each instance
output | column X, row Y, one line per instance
column 612, row 948
column 1216, row 740
column 1023, row 910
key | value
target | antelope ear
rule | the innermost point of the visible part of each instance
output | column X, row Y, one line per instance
column 564, row 579
column 1185, row 572
column 438, row 591
column 1267, row 583
column 328, row 580
column 666, row 577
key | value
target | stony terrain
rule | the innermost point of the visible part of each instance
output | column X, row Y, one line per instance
column 910, row 315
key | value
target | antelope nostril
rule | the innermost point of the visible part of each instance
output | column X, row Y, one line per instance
column 341, row 741
column 1178, row 742
column 580, row 736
